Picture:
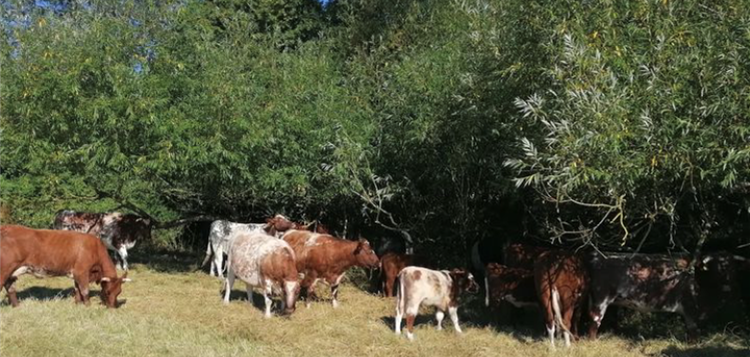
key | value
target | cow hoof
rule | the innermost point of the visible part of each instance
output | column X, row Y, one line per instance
column 335, row 304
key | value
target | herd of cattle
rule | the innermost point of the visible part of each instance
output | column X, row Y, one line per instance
column 281, row 257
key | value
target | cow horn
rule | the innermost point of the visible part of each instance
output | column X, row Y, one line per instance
column 740, row 258
column 707, row 259
column 125, row 280
column 105, row 279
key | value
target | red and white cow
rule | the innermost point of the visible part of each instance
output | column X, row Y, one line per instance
column 561, row 280
column 263, row 261
column 118, row 231
column 441, row 289
column 322, row 256
column 43, row 252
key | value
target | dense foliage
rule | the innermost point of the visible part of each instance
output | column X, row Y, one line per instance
column 608, row 123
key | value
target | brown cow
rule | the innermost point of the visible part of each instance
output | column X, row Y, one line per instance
column 322, row 256
column 561, row 281
column 422, row 286
column 44, row 252
column 514, row 285
column 390, row 265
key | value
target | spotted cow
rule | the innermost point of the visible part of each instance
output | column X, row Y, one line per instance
column 222, row 234
column 651, row 282
column 118, row 231
column 422, row 286
column 266, row 262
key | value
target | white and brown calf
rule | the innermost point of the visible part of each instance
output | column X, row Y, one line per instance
column 441, row 289
column 266, row 262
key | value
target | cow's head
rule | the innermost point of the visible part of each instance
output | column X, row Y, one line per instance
column 111, row 289
column 364, row 254
column 462, row 280
column 291, row 293
column 279, row 224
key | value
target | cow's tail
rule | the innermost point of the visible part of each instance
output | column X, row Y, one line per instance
column 209, row 251
column 400, row 298
column 556, row 310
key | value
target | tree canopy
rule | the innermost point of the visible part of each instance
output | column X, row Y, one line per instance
column 614, row 124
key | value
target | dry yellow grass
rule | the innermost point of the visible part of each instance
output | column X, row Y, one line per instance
column 181, row 314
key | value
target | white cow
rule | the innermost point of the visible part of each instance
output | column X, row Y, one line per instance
column 224, row 232
column 261, row 260
column 441, row 289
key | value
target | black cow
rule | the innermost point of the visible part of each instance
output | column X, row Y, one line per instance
column 661, row 283
column 118, row 231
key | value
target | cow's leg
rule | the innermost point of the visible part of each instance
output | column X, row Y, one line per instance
column 249, row 290
column 439, row 315
column 8, row 283
column 389, row 283
column 412, row 309
column 551, row 332
column 334, row 282
column 410, row 325
column 308, row 287
column 267, row 291
column 82, row 281
column 228, row 284
column 77, row 293
column 123, row 253
column 217, row 262
column 597, row 309
column 567, row 318
column 453, row 311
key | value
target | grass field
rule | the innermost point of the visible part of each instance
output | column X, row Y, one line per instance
column 172, row 310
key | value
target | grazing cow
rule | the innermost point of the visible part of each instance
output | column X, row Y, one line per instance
column 649, row 282
column 390, row 265
column 441, row 289
column 266, row 262
column 561, row 283
column 322, row 256
column 118, row 231
column 224, row 232
column 514, row 285
column 44, row 252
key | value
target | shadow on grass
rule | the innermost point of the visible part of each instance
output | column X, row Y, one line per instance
column 44, row 293
column 423, row 319
column 41, row 293
column 723, row 351
column 258, row 301
column 167, row 261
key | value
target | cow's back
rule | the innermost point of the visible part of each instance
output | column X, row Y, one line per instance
column 431, row 287
column 250, row 253
column 54, row 252
column 83, row 222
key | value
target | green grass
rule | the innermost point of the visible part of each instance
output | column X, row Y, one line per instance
column 171, row 310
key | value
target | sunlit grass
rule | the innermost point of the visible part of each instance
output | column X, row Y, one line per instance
column 181, row 314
